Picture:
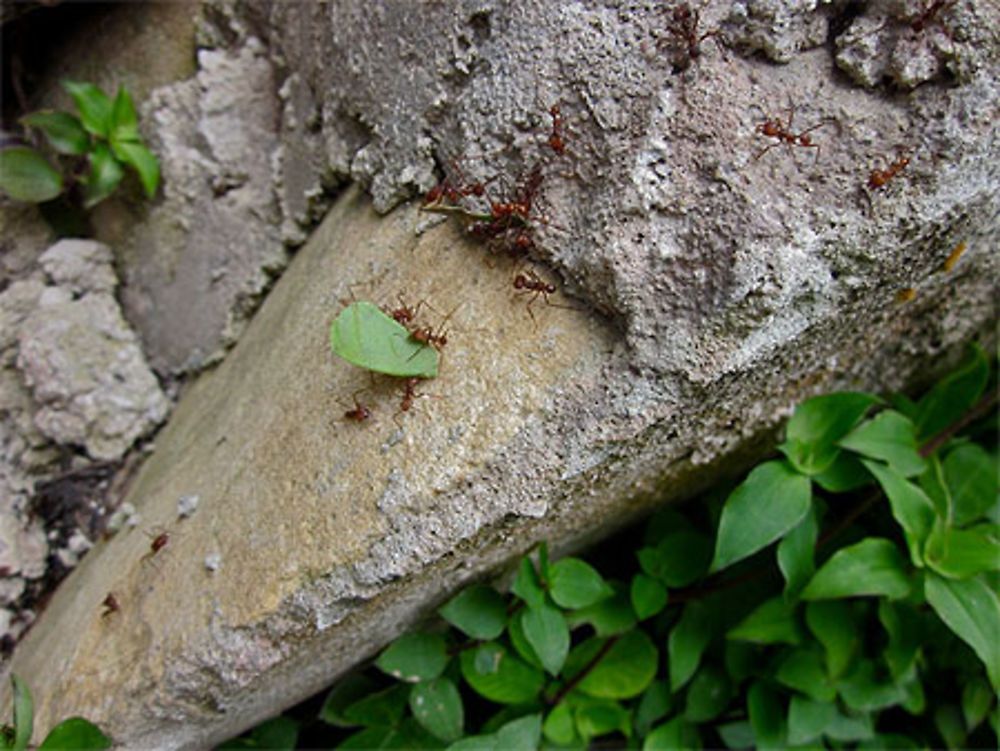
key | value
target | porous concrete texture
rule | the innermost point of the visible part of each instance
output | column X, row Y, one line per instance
column 716, row 285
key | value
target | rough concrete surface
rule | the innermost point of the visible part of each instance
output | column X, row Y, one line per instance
column 716, row 282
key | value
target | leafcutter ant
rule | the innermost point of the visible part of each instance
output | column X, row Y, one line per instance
column 157, row 543
column 782, row 133
column 684, row 40
column 881, row 177
column 930, row 14
column 527, row 282
column 360, row 413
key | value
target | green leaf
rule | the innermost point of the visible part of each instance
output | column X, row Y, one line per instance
column 867, row 568
column 477, row 611
column 595, row 717
column 648, row 596
column 366, row 336
column 437, row 706
column 977, row 698
column 708, row 695
column 795, row 553
column 948, row 721
column 655, row 704
column 769, row 503
column 509, row 680
column 808, row 719
column 678, row 559
column 970, row 609
column 853, row 727
column 277, row 734
column 736, row 735
column 903, row 624
column 527, row 585
column 414, row 657
column 344, row 693
column 846, row 473
column 93, row 105
column 522, row 733
column 81, row 735
column 576, row 584
column 970, row 474
column 384, row 707
column 546, row 630
column 832, row 623
column 520, row 642
column 674, row 734
column 613, row 615
column 803, row 670
column 625, row 670
column 772, row 622
column 961, row 553
column 63, row 131
column 558, row 726
column 889, row 437
column 766, row 717
column 687, row 642
column 910, row 506
column 26, row 175
column 818, row 423
column 142, row 160
column 105, row 174
column 862, row 690
column 24, row 713
column 952, row 396
column 124, row 125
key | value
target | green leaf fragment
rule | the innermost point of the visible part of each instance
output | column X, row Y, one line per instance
column 804, row 671
column 863, row 690
column 674, row 734
column 26, row 175
column 142, row 160
column 414, row 657
column 510, row 681
column 687, row 642
column 910, row 507
column 648, row 596
column 593, row 717
column 708, row 695
column 576, row 584
column 655, row 704
column 795, row 553
column 772, row 622
column 808, row 719
column 888, row 437
column 678, row 559
column 382, row 708
column 546, row 630
column 93, row 105
column 280, row 733
column 437, row 706
column 477, row 611
column 871, row 567
column 766, row 717
column 961, row 553
column 610, row 616
column 364, row 335
column 524, row 732
column 345, row 692
column 124, row 124
column 63, row 131
column 971, row 476
column 977, row 698
column 558, row 726
column 972, row 611
column 105, row 174
column 952, row 396
column 624, row 671
column 816, row 426
column 903, row 624
column 768, row 504
column 24, row 713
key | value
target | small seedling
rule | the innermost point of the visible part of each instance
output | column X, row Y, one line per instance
column 366, row 336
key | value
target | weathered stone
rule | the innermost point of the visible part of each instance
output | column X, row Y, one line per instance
column 87, row 374
column 738, row 282
column 80, row 266
column 22, row 548
column 198, row 264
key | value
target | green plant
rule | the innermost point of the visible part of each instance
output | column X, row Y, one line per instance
column 91, row 150
column 75, row 733
column 843, row 595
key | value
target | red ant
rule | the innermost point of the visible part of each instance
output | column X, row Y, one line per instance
column 404, row 314
column 930, row 14
column 529, row 283
column 557, row 141
column 110, row 604
column 409, row 394
column 879, row 177
column 685, row 40
column 782, row 132
column 156, row 545
column 455, row 193
column 360, row 413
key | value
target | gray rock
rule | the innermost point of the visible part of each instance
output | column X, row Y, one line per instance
column 79, row 266
column 88, row 376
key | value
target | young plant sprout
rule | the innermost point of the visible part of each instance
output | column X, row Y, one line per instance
column 366, row 336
